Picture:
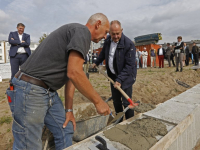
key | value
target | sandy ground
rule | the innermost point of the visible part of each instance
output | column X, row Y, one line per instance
column 153, row 86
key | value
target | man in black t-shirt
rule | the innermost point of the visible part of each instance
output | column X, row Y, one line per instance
column 57, row 61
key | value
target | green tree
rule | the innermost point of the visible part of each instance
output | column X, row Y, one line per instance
column 43, row 37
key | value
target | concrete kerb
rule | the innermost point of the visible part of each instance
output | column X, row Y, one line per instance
column 183, row 136
column 181, row 116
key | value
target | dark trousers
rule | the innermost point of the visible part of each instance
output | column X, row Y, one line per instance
column 161, row 61
column 187, row 60
column 140, row 62
column 172, row 59
column 196, row 59
column 17, row 61
column 119, row 100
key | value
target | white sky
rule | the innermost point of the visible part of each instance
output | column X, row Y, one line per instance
column 171, row 18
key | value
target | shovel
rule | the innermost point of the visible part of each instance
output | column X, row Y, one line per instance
column 121, row 114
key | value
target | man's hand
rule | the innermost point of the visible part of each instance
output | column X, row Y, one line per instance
column 102, row 108
column 117, row 84
column 70, row 117
column 23, row 41
column 12, row 39
column 94, row 65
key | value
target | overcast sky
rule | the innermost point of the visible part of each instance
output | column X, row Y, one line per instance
column 171, row 18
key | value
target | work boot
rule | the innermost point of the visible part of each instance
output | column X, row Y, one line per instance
column 181, row 70
column 177, row 70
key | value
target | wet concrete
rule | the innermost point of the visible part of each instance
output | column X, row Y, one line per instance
column 144, row 107
column 139, row 135
column 141, row 108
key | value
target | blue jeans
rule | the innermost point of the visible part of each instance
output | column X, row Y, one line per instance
column 137, row 60
column 192, row 58
column 33, row 106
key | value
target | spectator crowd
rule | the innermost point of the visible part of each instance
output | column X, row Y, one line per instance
column 177, row 55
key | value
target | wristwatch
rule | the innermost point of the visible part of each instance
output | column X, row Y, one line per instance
column 68, row 110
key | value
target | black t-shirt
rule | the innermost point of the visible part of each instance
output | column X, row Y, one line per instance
column 50, row 59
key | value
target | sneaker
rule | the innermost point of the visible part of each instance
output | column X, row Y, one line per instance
column 177, row 70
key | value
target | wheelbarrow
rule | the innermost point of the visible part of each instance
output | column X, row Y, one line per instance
column 90, row 125
column 85, row 126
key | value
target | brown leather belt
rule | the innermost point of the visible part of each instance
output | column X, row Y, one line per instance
column 31, row 80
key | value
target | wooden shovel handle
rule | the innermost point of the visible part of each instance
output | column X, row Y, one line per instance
column 121, row 91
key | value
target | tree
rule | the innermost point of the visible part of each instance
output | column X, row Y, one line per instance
column 43, row 37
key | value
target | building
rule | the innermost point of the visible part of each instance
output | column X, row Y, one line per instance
column 33, row 46
column 95, row 48
column 5, row 48
column 4, row 52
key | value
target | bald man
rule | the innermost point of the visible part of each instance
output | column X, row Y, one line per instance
column 57, row 61
column 119, row 53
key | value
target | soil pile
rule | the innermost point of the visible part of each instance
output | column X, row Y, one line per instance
column 139, row 134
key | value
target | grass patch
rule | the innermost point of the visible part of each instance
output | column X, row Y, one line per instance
column 8, row 130
column 104, row 86
column 62, row 98
column 6, row 120
column 176, row 90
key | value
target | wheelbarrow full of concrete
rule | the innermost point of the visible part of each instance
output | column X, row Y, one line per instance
column 88, row 121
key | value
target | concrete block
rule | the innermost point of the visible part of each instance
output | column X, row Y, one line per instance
column 196, row 86
column 187, row 140
column 197, row 123
column 174, row 146
column 187, row 98
column 171, row 111
column 195, row 89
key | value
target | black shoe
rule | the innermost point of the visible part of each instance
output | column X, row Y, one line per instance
column 181, row 70
column 177, row 70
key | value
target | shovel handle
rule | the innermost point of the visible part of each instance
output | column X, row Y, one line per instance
column 121, row 91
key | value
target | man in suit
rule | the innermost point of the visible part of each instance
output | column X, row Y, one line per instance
column 168, row 53
column 119, row 53
column 19, row 50
column 161, row 54
column 187, row 52
column 178, row 50
column 195, row 52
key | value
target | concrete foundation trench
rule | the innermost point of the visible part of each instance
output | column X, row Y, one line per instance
column 172, row 125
